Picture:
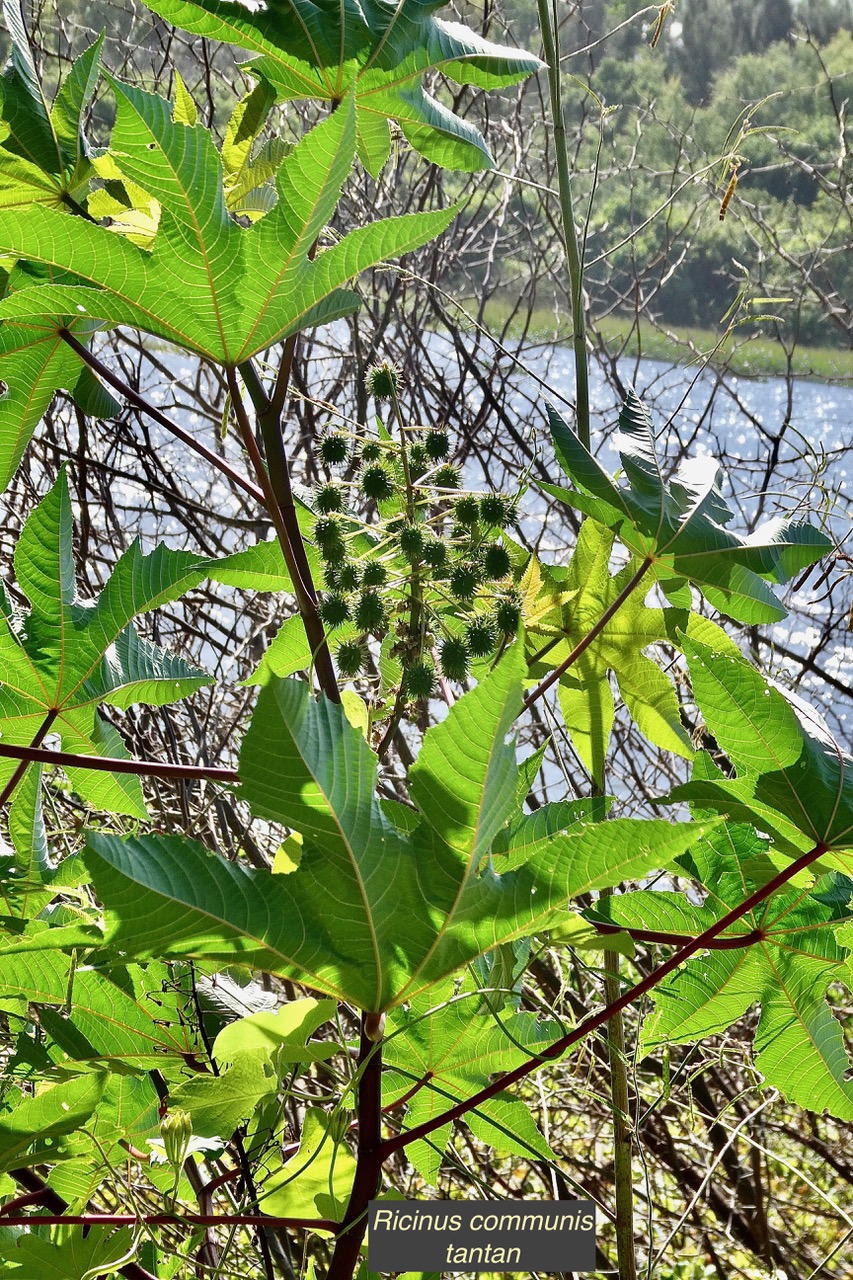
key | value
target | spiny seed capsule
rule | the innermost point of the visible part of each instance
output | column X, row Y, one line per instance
column 464, row 580
column 375, row 574
column 507, row 616
column 370, row 612
column 467, row 509
column 371, row 451
column 481, row 637
column 334, row 610
column 437, row 444
column 495, row 510
column 454, row 658
column 419, row 460
column 377, row 483
column 411, row 541
column 419, row 679
column 328, row 499
column 334, row 448
column 434, row 553
column 351, row 658
column 328, row 536
column 496, row 561
column 331, row 576
column 383, row 380
column 447, row 477
column 348, row 577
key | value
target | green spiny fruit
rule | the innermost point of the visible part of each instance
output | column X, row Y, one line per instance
column 419, row 679
column 331, row 576
column 434, row 553
column 496, row 561
column 328, row 499
column 447, row 477
column 481, row 637
column 411, row 541
column 371, row 451
column 507, row 616
column 467, row 510
column 351, row 657
column 383, row 380
column 375, row 574
column 334, row 448
column 419, row 461
column 437, row 444
column 348, row 577
column 464, row 580
column 334, row 610
column 329, row 538
column 454, row 658
column 377, row 483
column 496, row 511
column 370, row 612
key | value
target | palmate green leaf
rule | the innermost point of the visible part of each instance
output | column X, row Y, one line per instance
column 321, row 49
column 681, row 525
column 65, row 657
column 560, row 608
column 373, row 914
column 123, row 1019
column 45, row 156
column 28, row 1131
column 799, row 1046
column 25, row 879
column 792, row 780
column 456, row 1049
column 34, row 364
column 210, row 285
column 77, row 1256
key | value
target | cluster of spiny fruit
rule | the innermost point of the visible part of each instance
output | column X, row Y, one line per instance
column 435, row 573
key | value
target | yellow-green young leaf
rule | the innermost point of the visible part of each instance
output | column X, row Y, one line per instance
column 317, row 1181
column 218, row 1104
column 322, row 49
column 681, row 525
column 563, row 605
column 44, row 156
column 285, row 1034
column 185, row 111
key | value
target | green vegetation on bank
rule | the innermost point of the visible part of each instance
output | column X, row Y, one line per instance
column 747, row 353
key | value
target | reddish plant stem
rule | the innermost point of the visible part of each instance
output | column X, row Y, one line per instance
column 278, row 500
column 29, row 1179
column 41, row 734
column 144, row 406
column 596, row 1020
column 678, row 939
column 369, row 1158
column 581, row 647
column 114, row 764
